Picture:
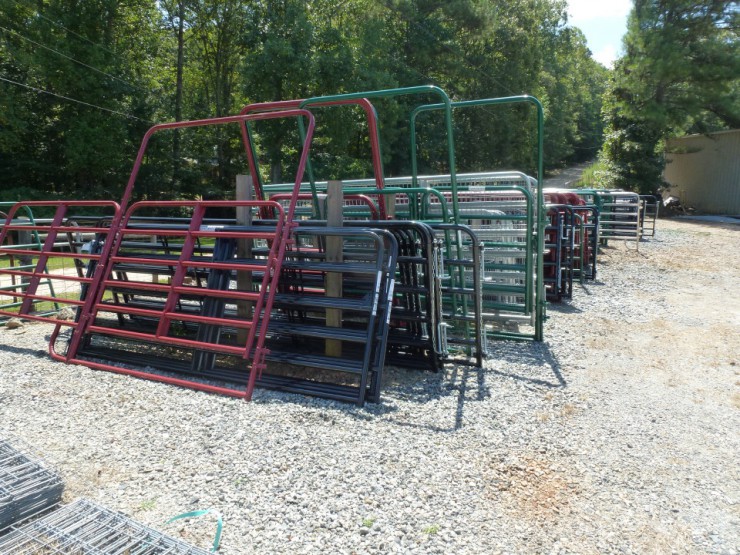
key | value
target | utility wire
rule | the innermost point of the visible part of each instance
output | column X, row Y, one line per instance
column 71, row 59
column 42, row 91
column 57, row 24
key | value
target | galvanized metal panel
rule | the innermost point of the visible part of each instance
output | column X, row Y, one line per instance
column 704, row 171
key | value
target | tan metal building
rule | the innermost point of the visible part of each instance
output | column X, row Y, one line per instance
column 704, row 171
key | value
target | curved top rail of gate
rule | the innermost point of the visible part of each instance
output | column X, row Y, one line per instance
column 222, row 121
column 540, row 169
column 363, row 103
column 403, row 91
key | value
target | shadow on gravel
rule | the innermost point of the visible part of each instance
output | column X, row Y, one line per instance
column 564, row 308
column 532, row 364
column 38, row 353
column 460, row 385
column 584, row 288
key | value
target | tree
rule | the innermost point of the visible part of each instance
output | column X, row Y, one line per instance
column 279, row 67
column 86, row 96
column 680, row 73
column 573, row 84
column 82, row 81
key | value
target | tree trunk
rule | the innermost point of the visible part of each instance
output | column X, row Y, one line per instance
column 178, row 89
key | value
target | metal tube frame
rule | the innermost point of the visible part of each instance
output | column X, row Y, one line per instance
column 540, row 302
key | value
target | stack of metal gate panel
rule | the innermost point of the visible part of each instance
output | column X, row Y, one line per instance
column 207, row 319
column 503, row 220
column 415, row 335
column 161, row 281
column 84, row 527
column 416, row 328
column 586, row 242
column 27, row 485
column 585, row 220
column 195, row 260
column 619, row 214
column 560, row 236
column 38, row 275
column 214, row 303
column 461, row 291
column 500, row 208
column 340, row 334
column 423, row 340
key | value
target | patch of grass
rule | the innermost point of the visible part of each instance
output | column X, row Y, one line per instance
column 368, row 522
column 148, row 504
column 592, row 176
column 432, row 530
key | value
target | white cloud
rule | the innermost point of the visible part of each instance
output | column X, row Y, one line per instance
column 585, row 10
column 606, row 55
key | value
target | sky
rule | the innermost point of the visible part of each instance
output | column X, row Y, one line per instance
column 604, row 23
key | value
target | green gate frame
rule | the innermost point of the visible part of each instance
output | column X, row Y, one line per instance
column 540, row 302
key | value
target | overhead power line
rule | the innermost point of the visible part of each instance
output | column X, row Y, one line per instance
column 42, row 91
column 63, row 55
column 57, row 24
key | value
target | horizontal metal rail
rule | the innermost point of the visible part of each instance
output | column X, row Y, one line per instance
column 35, row 274
column 177, row 267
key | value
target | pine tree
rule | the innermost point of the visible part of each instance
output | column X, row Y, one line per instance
column 680, row 73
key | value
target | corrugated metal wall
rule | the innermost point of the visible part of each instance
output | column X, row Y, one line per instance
column 704, row 171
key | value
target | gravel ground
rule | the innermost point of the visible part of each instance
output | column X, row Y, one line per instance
column 616, row 435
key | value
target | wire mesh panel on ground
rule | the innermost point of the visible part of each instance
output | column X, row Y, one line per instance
column 86, row 528
column 27, row 485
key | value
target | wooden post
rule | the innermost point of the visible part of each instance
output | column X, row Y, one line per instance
column 390, row 206
column 243, row 250
column 334, row 245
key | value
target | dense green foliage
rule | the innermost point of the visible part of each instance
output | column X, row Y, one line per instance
column 82, row 80
column 680, row 74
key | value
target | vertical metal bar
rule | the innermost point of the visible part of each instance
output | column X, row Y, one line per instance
column 244, row 309
column 178, row 277
column 47, row 247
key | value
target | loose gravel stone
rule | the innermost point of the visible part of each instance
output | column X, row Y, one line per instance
column 618, row 434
